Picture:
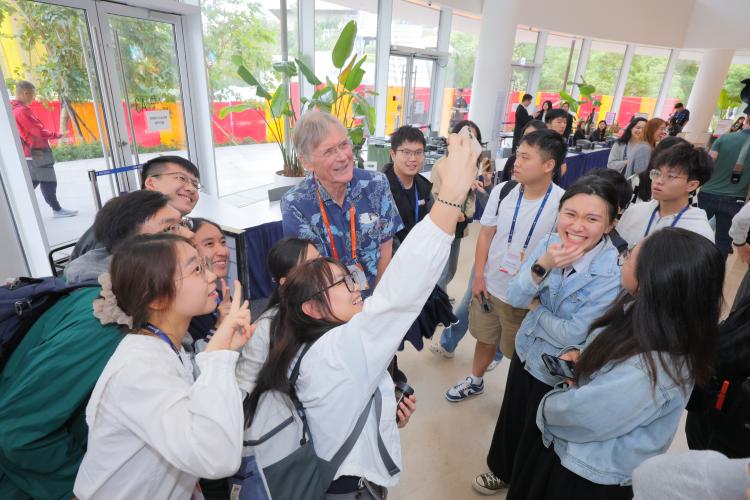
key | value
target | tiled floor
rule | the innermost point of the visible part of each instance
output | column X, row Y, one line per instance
column 445, row 444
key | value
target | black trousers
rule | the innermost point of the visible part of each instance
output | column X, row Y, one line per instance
column 49, row 192
column 517, row 418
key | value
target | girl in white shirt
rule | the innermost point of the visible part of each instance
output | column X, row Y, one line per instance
column 355, row 339
column 153, row 430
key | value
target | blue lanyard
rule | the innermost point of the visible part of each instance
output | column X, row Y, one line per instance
column 416, row 197
column 536, row 219
column 157, row 331
column 674, row 222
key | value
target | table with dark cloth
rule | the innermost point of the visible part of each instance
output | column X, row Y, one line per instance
column 579, row 164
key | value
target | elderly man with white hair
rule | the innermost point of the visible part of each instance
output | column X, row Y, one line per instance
column 347, row 212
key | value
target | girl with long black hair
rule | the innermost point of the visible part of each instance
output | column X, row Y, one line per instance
column 634, row 376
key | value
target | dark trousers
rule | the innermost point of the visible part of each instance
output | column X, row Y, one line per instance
column 49, row 192
column 517, row 419
column 723, row 208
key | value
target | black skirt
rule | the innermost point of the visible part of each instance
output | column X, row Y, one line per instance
column 517, row 419
column 539, row 475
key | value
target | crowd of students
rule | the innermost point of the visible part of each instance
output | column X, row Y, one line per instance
column 153, row 381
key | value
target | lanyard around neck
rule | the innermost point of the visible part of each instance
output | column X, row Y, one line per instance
column 326, row 221
column 416, row 196
column 536, row 218
column 674, row 222
column 163, row 336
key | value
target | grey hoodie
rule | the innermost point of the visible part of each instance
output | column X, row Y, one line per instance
column 88, row 266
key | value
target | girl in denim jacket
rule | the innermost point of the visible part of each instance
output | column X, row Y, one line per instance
column 567, row 282
column 634, row 377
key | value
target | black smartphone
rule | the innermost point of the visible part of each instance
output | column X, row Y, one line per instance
column 486, row 306
column 402, row 390
column 558, row 367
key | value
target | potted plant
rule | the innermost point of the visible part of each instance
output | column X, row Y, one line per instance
column 587, row 92
column 341, row 98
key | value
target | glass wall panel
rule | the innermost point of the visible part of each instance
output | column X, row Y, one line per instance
column 464, row 41
column 414, row 25
column 602, row 71
column 246, row 155
column 644, row 81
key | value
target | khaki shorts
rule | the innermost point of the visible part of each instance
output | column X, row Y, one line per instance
column 499, row 326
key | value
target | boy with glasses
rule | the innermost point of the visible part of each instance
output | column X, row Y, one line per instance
column 678, row 172
column 411, row 191
column 174, row 176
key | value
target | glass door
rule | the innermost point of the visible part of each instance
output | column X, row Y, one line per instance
column 410, row 81
column 146, row 68
column 51, row 73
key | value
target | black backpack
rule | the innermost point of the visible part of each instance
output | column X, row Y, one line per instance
column 22, row 302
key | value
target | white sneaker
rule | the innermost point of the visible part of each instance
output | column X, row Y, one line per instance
column 493, row 364
column 438, row 349
column 64, row 212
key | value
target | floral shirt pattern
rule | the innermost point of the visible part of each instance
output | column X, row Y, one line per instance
column 376, row 218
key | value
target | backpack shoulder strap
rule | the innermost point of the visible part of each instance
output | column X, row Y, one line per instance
column 346, row 448
column 504, row 192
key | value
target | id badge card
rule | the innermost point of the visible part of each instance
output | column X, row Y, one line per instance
column 511, row 263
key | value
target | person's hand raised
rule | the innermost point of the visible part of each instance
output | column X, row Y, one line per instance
column 461, row 171
column 558, row 256
column 235, row 330
column 226, row 304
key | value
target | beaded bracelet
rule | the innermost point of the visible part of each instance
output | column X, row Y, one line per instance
column 457, row 205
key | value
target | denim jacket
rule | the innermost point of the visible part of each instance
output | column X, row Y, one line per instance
column 615, row 420
column 568, row 306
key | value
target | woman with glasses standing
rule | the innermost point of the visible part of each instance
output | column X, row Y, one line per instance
column 352, row 340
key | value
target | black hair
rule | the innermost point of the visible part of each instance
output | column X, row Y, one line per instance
column 673, row 318
column 143, row 269
column 546, row 102
column 526, row 97
column 596, row 186
column 628, row 134
column 679, row 105
column 291, row 328
column 695, row 162
column 122, row 217
column 197, row 222
column 551, row 145
column 644, row 181
column 458, row 126
column 535, row 124
column 158, row 165
column 284, row 256
column 407, row 133
column 555, row 113
column 619, row 182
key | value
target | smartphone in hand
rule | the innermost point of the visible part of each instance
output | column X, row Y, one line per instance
column 558, row 367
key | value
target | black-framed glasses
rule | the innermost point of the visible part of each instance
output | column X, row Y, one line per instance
column 408, row 154
column 352, row 281
column 185, row 223
column 182, row 179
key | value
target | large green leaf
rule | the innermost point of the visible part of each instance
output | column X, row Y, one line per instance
column 344, row 45
column 569, row 99
column 307, row 73
column 355, row 78
column 251, row 80
column 279, row 101
column 237, row 108
column 357, row 135
column 363, row 108
column 287, row 68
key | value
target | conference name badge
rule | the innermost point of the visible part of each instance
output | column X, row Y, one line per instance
column 511, row 263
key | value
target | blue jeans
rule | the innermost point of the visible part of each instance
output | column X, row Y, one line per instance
column 453, row 334
column 723, row 209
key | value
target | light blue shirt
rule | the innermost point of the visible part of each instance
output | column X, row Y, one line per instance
column 614, row 420
column 569, row 304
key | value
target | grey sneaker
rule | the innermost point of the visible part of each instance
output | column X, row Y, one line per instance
column 488, row 484
column 64, row 212
column 438, row 349
column 463, row 390
column 493, row 364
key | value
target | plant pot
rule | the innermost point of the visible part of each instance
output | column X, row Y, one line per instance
column 280, row 180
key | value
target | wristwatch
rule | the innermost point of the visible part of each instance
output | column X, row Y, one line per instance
column 738, row 244
column 539, row 270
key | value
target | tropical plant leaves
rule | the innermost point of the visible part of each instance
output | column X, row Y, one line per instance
column 344, row 45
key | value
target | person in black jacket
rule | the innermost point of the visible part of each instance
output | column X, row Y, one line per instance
column 411, row 191
column 522, row 118
column 600, row 134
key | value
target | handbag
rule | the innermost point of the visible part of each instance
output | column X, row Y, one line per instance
column 42, row 157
